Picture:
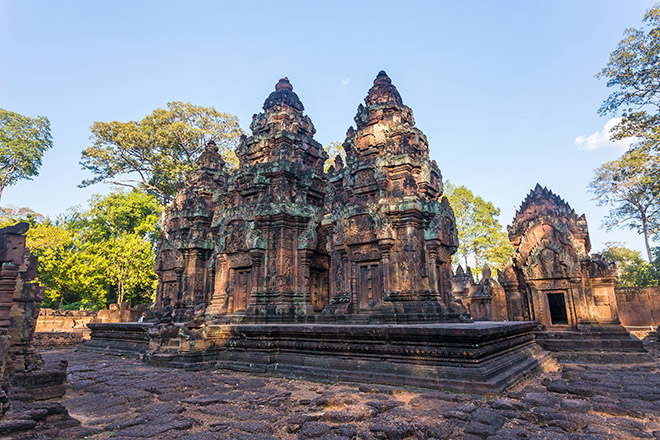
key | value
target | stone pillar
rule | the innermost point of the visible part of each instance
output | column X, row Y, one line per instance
column 218, row 301
column 432, row 266
column 385, row 244
column 354, row 298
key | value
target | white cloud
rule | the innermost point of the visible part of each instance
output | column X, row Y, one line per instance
column 601, row 139
column 345, row 82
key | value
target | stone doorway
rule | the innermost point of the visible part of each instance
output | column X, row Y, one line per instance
column 557, row 308
column 319, row 289
column 242, row 289
column 370, row 287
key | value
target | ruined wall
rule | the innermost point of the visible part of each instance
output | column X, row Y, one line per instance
column 638, row 306
column 75, row 321
column 50, row 340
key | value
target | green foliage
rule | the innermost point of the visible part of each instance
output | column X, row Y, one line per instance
column 630, row 186
column 155, row 154
column 122, row 213
column 23, row 141
column 633, row 270
column 92, row 257
column 333, row 149
column 129, row 267
column 480, row 234
column 632, row 71
column 10, row 215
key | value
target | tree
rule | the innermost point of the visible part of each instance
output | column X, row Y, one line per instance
column 129, row 267
column 155, row 154
column 69, row 268
column 630, row 184
column 333, row 149
column 633, row 270
column 97, row 255
column 120, row 213
column 23, row 141
column 631, row 188
column 632, row 71
column 480, row 234
column 121, row 229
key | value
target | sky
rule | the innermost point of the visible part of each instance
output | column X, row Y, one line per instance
column 504, row 90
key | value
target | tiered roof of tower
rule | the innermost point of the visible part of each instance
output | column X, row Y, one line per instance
column 385, row 125
column 543, row 203
column 387, row 140
column 281, row 132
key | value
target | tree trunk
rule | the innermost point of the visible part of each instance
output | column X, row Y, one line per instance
column 645, row 230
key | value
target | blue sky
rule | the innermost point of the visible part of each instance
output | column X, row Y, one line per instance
column 502, row 89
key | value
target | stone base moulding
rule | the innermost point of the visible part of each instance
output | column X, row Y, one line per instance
column 118, row 338
column 484, row 357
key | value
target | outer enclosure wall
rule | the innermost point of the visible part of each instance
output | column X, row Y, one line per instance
column 638, row 306
column 75, row 321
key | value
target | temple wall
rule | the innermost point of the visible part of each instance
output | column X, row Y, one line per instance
column 75, row 321
column 638, row 306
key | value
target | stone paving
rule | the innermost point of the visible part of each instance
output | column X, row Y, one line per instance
column 117, row 398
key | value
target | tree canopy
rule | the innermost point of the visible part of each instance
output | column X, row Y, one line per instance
column 630, row 184
column 480, row 234
column 633, row 270
column 92, row 257
column 155, row 154
column 631, row 190
column 23, row 141
column 632, row 71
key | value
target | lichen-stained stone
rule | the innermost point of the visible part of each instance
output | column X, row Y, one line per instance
column 270, row 262
column 184, row 264
column 552, row 279
column 389, row 238
column 343, row 275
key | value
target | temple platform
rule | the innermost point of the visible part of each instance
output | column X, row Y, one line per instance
column 480, row 357
column 118, row 338
column 594, row 344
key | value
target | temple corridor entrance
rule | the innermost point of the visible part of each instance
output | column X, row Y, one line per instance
column 557, row 307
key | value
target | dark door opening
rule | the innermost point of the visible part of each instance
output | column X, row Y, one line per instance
column 557, row 307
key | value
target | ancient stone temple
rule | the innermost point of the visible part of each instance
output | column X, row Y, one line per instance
column 553, row 280
column 485, row 300
column 270, row 262
column 24, row 377
column 184, row 265
column 280, row 267
column 389, row 238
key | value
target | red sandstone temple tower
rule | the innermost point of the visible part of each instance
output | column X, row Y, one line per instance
column 270, row 262
column 390, row 240
column 184, row 264
column 552, row 278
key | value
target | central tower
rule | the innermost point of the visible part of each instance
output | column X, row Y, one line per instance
column 270, row 264
column 390, row 239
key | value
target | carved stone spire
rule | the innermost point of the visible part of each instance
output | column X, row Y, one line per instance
column 281, row 131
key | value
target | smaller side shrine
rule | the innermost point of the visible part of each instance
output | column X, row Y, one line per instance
column 184, row 265
column 552, row 278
